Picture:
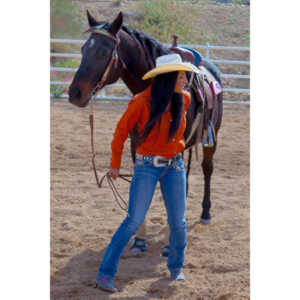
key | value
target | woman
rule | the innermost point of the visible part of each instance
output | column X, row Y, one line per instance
column 159, row 112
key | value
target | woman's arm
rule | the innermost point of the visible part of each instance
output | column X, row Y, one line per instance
column 124, row 126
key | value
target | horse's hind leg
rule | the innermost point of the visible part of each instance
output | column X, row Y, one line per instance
column 207, row 168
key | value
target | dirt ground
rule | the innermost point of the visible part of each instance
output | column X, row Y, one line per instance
column 83, row 217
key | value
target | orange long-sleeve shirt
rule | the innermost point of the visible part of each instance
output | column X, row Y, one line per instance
column 138, row 112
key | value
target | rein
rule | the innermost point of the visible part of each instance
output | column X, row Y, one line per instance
column 99, row 85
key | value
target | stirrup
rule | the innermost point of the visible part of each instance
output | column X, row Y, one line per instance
column 138, row 246
column 208, row 138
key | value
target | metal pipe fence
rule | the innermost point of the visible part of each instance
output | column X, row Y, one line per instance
column 207, row 47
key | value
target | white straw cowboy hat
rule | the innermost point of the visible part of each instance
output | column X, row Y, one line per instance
column 170, row 63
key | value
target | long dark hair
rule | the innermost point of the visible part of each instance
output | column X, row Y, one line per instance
column 162, row 92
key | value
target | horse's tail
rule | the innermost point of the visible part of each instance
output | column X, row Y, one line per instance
column 212, row 68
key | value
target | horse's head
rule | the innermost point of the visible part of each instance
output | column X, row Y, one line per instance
column 97, row 53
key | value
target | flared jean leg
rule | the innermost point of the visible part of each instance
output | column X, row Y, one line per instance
column 173, row 187
column 140, row 196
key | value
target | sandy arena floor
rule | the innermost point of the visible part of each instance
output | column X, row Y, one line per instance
column 83, row 217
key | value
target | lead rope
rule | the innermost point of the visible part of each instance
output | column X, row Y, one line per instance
column 99, row 85
column 117, row 196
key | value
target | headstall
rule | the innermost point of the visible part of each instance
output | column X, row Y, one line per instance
column 114, row 56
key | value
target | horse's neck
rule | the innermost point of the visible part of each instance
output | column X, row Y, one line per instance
column 135, row 84
column 133, row 68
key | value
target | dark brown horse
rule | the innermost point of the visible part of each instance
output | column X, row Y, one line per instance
column 136, row 54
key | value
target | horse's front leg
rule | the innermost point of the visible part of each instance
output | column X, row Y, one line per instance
column 207, row 168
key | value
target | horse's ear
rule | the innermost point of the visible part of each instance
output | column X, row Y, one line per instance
column 92, row 21
column 116, row 25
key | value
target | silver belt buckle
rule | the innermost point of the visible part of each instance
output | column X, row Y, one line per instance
column 157, row 164
column 139, row 156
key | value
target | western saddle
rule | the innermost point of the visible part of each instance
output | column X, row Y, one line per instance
column 187, row 54
column 206, row 89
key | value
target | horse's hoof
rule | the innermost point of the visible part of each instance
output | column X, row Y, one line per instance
column 205, row 221
column 138, row 246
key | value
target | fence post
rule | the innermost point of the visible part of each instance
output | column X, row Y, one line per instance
column 207, row 50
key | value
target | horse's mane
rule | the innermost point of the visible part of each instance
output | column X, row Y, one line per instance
column 152, row 48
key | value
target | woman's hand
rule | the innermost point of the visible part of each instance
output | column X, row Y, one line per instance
column 113, row 173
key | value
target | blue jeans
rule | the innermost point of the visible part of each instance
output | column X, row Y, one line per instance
column 173, row 187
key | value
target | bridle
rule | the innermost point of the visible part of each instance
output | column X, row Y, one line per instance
column 113, row 60
column 114, row 55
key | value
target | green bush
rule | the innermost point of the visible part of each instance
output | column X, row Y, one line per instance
column 162, row 19
column 67, row 63
column 65, row 22
column 65, row 19
column 57, row 90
